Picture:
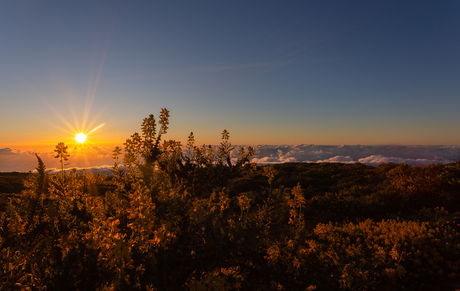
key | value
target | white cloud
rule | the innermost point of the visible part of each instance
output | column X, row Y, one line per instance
column 275, row 155
column 100, row 157
column 273, row 160
column 338, row 159
column 25, row 161
column 375, row 160
column 370, row 155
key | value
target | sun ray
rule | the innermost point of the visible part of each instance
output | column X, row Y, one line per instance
column 62, row 118
column 96, row 128
column 80, row 124
column 95, row 76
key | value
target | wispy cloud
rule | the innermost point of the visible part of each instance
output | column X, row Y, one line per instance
column 215, row 68
column 285, row 45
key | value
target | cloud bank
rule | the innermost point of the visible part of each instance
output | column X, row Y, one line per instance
column 99, row 158
column 80, row 158
column 369, row 155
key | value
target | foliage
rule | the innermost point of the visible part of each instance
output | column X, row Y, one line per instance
column 175, row 217
column 62, row 154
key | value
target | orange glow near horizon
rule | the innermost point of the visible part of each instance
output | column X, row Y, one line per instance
column 81, row 147
column 81, row 136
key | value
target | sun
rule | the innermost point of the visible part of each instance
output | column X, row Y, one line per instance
column 80, row 137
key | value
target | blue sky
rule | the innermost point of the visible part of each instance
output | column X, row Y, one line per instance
column 270, row 72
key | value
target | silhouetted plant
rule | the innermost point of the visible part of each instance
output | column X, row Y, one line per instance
column 62, row 155
column 42, row 175
column 225, row 150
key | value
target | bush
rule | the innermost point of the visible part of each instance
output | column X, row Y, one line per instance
column 186, row 218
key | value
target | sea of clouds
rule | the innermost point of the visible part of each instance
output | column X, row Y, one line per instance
column 100, row 158
column 93, row 158
column 369, row 155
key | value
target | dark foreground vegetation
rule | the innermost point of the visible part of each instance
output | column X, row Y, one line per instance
column 187, row 218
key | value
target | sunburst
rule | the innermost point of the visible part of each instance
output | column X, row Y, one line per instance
column 80, row 137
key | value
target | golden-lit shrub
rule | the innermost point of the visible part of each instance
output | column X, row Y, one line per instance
column 189, row 218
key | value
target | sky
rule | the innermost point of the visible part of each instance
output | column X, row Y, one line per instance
column 272, row 73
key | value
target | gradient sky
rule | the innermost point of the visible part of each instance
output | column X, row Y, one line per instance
column 270, row 72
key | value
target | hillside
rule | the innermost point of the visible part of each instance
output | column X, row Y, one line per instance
column 187, row 218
